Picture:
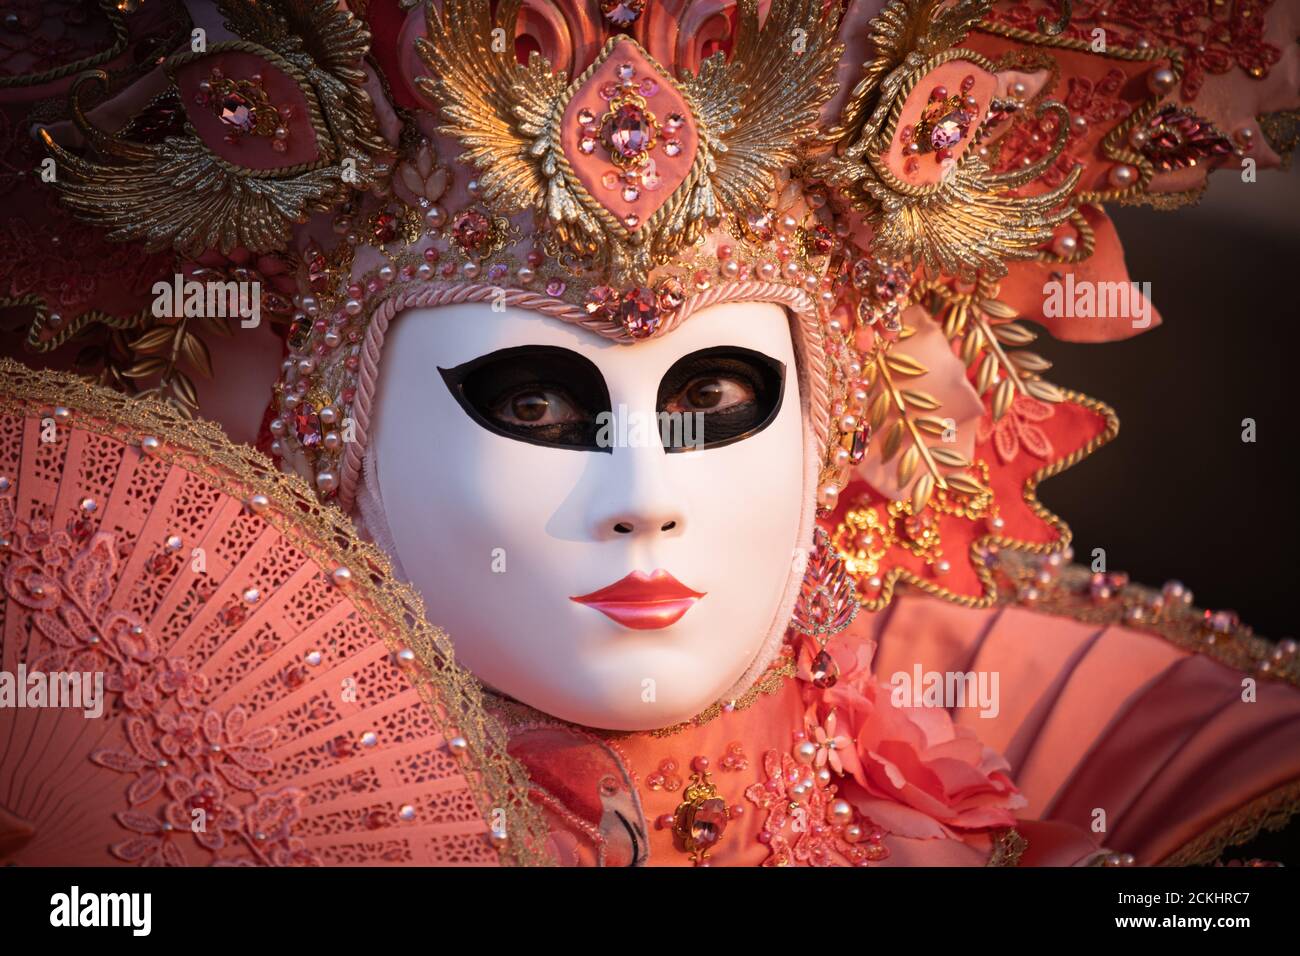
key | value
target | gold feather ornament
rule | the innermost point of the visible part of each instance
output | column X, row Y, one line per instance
column 954, row 216
column 736, row 125
column 194, row 193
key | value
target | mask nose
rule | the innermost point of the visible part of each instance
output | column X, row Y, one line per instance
column 636, row 499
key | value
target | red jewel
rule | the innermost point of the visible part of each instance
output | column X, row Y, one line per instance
column 376, row 819
column 535, row 257
column 431, row 254
column 700, row 764
column 385, row 228
column 939, row 93
column 942, row 155
column 911, row 166
column 968, row 83
column 471, row 230
column 159, row 563
column 294, row 676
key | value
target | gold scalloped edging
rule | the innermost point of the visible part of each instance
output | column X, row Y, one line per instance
column 1272, row 811
column 1008, row 847
column 1146, row 609
column 989, row 597
column 1115, row 144
column 452, row 695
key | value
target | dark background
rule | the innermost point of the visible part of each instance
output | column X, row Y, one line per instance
column 1178, row 494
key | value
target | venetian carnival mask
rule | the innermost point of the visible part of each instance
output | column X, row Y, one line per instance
column 624, row 579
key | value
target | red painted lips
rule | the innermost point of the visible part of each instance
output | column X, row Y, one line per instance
column 643, row 601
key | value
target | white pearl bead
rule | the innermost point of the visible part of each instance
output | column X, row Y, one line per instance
column 839, row 812
column 806, row 752
column 1161, row 81
column 1123, row 176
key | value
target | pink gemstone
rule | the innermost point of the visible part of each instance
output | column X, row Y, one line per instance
column 555, row 288
column 707, row 823
column 586, row 145
column 237, row 112
column 672, row 147
column 631, row 194
column 626, row 71
column 628, row 132
column 585, row 116
column 631, row 220
column 639, row 312
column 674, row 122
column 825, row 672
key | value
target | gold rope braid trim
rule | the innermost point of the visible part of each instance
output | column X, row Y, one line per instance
column 325, row 141
column 1115, row 144
column 1271, row 811
column 121, row 36
column 72, row 327
column 1087, row 243
column 1008, row 847
column 451, row 694
column 1030, row 497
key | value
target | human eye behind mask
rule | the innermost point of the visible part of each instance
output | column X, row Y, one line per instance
column 536, row 394
column 722, row 394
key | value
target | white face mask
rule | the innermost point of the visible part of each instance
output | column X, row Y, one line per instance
column 502, row 533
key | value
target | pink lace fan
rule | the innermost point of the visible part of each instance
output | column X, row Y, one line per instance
column 270, row 696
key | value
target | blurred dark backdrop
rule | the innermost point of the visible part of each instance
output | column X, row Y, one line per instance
column 1178, row 494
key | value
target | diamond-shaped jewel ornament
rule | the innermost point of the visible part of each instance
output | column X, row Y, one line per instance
column 644, row 134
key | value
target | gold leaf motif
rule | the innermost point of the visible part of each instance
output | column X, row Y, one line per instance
column 932, row 426
column 1029, row 361
column 907, row 464
column 892, row 440
column 1044, row 391
column 921, row 492
column 155, row 338
column 966, row 484
column 948, row 458
column 1002, row 397
column 998, row 310
column 971, row 345
column 905, row 364
column 1013, row 333
column 988, row 369
column 146, row 367
column 922, row 400
column 197, row 354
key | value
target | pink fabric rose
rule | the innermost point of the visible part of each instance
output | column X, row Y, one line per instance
column 911, row 770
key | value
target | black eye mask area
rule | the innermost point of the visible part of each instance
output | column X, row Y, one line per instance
column 728, row 393
column 538, row 394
